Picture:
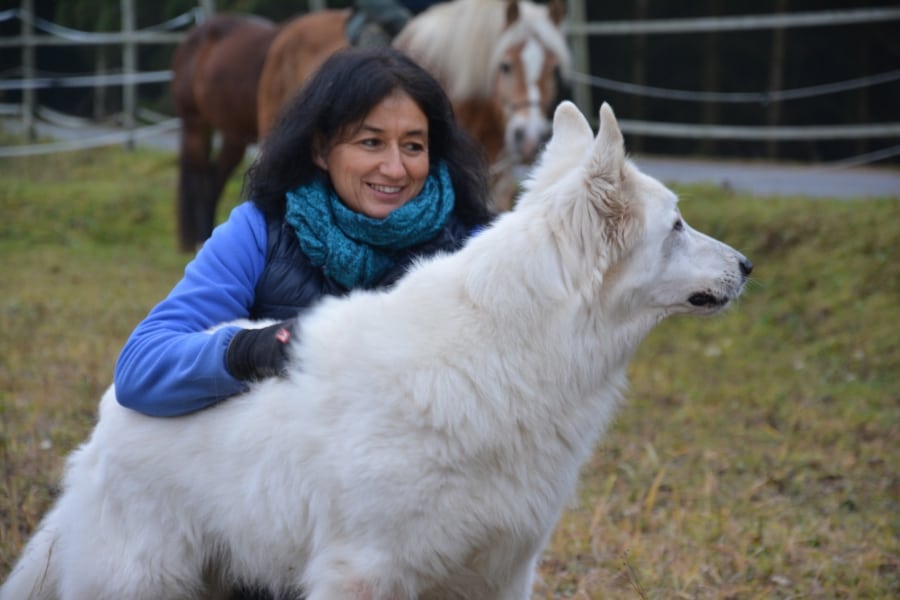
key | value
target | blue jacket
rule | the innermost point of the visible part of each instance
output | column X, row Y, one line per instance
column 171, row 366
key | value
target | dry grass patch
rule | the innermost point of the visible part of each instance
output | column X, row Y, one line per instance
column 756, row 455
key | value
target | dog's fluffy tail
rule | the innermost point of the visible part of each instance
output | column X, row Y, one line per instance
column 34, row 577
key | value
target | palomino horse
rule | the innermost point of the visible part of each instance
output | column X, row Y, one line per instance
column 501, row 64
column 498, row 60
column 216, row 71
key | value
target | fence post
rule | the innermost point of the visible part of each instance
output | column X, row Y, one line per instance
column 129, row 67
column 776, row 76
column 639, row 70
column 207, row 7
column 711, row 70
column 581, row 92
column 100, row 69
column 28, row 92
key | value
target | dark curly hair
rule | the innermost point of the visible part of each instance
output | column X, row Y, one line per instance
column 348, row 85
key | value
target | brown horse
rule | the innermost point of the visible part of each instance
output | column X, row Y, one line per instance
column 216, row 70
column 499, row 62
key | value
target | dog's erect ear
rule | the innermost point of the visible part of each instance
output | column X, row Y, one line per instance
column 609, row 148
column 568, row 121
column 572, row 134
column 606, row 172
column 569, row 146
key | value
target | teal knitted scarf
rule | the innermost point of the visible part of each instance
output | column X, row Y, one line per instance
column 356, row 250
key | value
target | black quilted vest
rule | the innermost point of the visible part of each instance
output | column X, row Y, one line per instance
column 289, row 283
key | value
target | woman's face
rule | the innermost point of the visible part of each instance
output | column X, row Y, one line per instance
column 381, row 165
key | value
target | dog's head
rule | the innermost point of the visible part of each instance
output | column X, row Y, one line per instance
column 624, row 235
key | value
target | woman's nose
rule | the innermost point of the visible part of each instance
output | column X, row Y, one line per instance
column 392, row 163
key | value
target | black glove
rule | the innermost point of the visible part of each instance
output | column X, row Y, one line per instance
column 255, row 354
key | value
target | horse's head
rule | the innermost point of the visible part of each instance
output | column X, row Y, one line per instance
column 530, row 60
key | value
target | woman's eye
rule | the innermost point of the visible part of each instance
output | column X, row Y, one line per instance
column 415, row 147
column 370, row 142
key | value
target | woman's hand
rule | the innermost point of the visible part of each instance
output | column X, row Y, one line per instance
column 254, row 354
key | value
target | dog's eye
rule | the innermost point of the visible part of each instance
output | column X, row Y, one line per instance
column 678, row 226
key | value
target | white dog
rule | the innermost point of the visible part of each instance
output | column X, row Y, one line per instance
column 427, row 437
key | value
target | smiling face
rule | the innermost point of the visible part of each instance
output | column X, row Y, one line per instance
column 380, row 164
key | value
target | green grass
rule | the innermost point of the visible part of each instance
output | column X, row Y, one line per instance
column 756, row 457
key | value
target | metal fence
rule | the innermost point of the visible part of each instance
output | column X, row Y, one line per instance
column 579, row 30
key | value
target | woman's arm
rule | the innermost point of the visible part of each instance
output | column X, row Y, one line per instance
column 170, row 364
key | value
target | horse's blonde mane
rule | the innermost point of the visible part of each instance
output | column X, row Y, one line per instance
column 460, row 42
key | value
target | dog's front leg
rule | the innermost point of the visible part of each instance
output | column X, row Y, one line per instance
column 352, row 570
column 354, row 590
column 521, row 582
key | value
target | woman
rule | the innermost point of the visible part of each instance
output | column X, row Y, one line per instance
column 365, row 171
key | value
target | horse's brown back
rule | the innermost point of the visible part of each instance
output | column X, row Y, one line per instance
column 216, row 71
column 301, row 46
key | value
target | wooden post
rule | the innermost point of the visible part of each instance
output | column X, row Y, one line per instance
column 711, row 70
column 639, row 71
column 776, row 77
column 28, row 93
column 100, row 69
column 581, row 92
column 208, row 7
column 862, row 97
column 129, row 68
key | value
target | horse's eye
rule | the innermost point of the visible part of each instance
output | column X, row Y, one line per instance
column 505, row 68
column 679, row 225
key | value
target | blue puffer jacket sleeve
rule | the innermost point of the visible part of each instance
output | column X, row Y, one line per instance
column 170, row 365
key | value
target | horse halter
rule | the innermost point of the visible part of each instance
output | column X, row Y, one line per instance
column 527, row 79
column 528, row 68
column 513, row 107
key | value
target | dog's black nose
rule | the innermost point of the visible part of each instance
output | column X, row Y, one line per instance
column 746, row 266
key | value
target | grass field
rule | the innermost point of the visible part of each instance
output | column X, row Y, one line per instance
column 757, row 455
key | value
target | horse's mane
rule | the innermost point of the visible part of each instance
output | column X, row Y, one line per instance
column 461, row 42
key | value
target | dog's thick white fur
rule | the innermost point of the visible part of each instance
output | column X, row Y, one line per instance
column 427, row 437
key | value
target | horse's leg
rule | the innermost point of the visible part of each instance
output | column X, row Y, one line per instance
column 230, row 155
column 504, row 189
column 195, row 181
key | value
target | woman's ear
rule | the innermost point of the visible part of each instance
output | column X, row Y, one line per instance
column 318, row 153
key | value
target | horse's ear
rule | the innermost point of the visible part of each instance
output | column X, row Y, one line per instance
column 556, row 10
column 512, row 12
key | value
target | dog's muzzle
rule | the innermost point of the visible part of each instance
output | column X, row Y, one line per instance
column 708, row 300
